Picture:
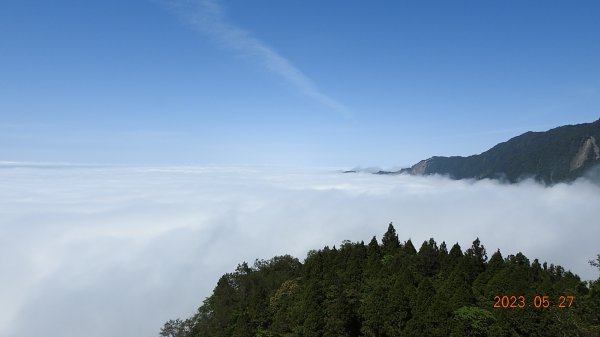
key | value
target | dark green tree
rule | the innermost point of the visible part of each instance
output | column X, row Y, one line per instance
column 428, row 259
column 390, row 242
column 478, row 256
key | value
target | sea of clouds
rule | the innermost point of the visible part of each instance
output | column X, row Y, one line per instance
column 116, row 251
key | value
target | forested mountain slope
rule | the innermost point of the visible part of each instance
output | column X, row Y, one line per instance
column 560, row 154
column 392, row 289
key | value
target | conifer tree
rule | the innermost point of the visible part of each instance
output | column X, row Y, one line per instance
column 390, row 242
column 478, row 256
column 428, row 260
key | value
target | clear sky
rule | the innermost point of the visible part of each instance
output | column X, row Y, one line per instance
column 295, row 82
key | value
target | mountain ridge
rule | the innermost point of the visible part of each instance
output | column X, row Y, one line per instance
column 561, row 154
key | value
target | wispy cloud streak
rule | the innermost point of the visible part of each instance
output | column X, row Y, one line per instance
column 208, row 17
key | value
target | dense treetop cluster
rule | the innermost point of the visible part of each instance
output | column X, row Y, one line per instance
column 393, row 289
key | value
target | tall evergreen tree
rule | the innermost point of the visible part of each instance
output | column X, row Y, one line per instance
column 478, row 256
column 390, row 242
column 409, row 248
column 428, row 259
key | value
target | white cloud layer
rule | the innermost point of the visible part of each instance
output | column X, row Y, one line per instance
column 116, row 251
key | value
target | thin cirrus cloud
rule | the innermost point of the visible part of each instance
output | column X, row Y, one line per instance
column 102, row 251
column 208, row 17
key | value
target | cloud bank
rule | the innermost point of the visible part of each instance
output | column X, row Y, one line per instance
column 116, row 251
column 208, row 17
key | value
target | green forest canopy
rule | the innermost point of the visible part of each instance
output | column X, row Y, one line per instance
column 392, row 289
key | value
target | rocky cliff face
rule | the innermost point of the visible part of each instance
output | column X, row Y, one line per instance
column 588, row 151
column 420, row 168
column 557, row 155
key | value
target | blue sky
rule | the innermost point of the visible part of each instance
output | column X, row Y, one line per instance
column 300, row 83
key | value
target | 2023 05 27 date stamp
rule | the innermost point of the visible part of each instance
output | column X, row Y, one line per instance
column 536, row 302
